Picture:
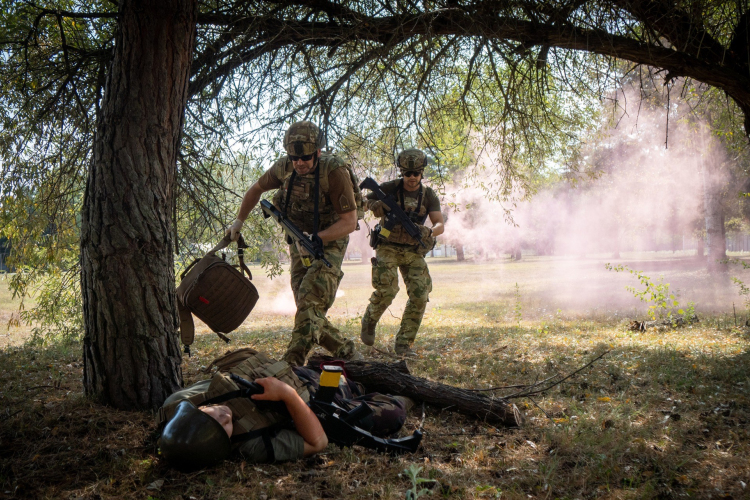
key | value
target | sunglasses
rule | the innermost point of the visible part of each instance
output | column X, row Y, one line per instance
column 303, row 157
column 412, row 173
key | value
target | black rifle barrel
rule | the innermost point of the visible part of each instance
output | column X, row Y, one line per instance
column 292, row 231
column 395, row 214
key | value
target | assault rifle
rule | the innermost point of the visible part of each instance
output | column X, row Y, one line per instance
column 339, row 424
column 394, row 215
column 294, row 234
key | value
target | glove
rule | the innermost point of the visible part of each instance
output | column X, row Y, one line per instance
column 377, row 207
column 424, row 231
column 233, row 231
column 427, row 239
column 317, row 242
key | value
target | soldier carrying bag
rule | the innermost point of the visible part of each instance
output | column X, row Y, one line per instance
column 216, row 292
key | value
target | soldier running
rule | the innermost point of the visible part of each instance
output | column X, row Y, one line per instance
column 399, row 251
column 316, row 192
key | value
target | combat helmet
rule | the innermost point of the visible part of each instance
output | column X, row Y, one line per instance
column 193, row 439
column 303, row 138
column 412, row 159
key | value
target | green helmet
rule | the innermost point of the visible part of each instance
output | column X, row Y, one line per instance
column 412, row 159
column 193, row 440
column 303, row 138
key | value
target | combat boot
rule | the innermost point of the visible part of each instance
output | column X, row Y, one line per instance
column 405, row 351
column 368, row 330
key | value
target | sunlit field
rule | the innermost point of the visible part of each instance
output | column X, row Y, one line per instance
column 663, row 414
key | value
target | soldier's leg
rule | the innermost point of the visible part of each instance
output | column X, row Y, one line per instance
column 418, row 287
column 297, row 270
column 330, row 337
column 302, row 334
column 315, row 295
column 385, row 283
column 389, row 412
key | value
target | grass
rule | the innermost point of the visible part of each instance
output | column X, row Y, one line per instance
column 663, row 415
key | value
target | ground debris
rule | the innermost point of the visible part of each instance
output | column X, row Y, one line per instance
column 663, row 324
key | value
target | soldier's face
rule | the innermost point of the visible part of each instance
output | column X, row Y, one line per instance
column 222, row 414
column 411, row 180
column 303, row 166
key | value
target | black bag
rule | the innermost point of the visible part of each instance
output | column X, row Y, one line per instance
column 215, row 291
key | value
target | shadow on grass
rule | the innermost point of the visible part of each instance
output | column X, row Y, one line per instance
column 649, row 420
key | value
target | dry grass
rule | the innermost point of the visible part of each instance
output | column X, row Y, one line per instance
column 665, row 414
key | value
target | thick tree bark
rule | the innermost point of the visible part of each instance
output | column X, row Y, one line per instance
column 394, row 378
column 131, row 349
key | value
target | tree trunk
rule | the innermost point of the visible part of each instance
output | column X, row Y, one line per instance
column 394, row 378
column 460, row 252
column 714, row 216
column 131, row 349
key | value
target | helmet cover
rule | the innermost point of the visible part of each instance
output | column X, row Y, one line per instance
column 412, row 160
column 193, row 439
column 302, row 138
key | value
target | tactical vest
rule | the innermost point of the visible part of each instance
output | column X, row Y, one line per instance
column 301, row 208
column 414, row 207
column 246, row 416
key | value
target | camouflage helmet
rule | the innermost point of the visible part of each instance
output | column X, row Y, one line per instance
column 412, row 159
column 302, row 138
column 193, row 439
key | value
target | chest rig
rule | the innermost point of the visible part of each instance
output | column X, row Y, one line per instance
column 297, row 194
column 247, row 417
column 414, row 208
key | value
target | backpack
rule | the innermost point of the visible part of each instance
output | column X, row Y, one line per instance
column 216, row 292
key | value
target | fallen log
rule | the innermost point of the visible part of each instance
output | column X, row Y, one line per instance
column 394, row 378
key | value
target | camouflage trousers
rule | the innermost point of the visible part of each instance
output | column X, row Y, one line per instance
column 388, row 412
column 314, row 290
column 390, row 260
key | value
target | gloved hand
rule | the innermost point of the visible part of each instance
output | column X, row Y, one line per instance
column 424, row 231
column 428, row 240
column 233, row 231
column 317, row 242
column 377, row 207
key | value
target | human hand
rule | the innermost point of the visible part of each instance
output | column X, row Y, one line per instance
column 273, row 390
column 424, row 231
column 378, row 208
column 233, row 231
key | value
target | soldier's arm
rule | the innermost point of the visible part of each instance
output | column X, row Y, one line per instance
column 345, row 225
column 305, row 422
column 438, row 223
column 266, row 182
column 251, row 198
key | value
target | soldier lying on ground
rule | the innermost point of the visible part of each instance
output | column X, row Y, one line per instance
column 199, row 433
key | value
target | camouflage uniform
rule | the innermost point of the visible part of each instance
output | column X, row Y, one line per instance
column 389, row 260
column 401, row 252
column 314, row 287
column 314, row 290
